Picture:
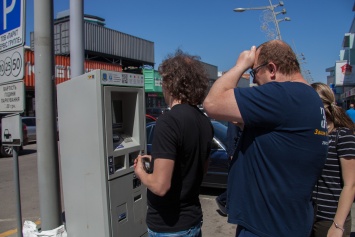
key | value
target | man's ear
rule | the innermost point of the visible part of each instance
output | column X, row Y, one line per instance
column 272, row 70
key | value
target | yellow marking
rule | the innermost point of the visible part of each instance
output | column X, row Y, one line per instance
column 318, row 132
column 14, row 231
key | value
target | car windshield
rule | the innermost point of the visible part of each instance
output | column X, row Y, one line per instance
column 220, row 131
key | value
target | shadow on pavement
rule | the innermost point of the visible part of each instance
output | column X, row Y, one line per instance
column 27, row 151
column 211, row 191
column 30, row 148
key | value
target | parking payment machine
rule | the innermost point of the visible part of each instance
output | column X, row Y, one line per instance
column 101, row 131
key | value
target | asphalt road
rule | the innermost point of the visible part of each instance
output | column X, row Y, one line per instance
column 214, row 224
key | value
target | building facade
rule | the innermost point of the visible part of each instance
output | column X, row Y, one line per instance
column 341, row 76
column 104, row 48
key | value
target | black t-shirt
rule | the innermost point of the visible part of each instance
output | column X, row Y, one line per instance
column 183, row 134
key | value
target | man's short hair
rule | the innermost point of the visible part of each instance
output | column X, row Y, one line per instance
column 281, row 54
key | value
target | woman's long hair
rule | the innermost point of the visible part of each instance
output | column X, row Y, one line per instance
column 333, row 112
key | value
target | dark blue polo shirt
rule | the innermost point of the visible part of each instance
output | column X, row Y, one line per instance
column 282, row 152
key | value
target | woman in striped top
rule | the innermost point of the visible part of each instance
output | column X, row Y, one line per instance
column 335, row 189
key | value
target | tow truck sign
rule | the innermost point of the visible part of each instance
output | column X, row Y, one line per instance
column 12, row 30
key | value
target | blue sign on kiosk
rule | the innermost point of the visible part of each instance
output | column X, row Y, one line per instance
column 11, row 24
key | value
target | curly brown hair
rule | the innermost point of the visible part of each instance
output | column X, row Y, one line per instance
column 333, row 112
column 281, row 54
column 184, row 77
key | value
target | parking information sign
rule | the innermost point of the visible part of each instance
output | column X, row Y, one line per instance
column 11, row 97
column 12, row 30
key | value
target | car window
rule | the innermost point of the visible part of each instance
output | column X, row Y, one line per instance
column 150, row 133
column 29, row 121
column 220, row 132
column 215, row 145
column 148, row 120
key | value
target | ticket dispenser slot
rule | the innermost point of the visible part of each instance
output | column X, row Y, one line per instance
column 119, row 162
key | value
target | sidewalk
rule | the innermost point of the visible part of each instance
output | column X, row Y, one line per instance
column 215, row 225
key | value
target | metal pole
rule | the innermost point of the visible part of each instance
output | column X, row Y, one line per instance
column 17, row 190
column 47, row 147
column 76, row 37
column 275, row 20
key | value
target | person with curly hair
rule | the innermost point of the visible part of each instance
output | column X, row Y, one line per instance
column 180, row 150
column 334, row 191
column 283, row 147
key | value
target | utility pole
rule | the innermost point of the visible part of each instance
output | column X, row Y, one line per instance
column 76, row 37
column 47, row 146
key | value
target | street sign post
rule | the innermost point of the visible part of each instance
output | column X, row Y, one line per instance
column 12, row 36
column 12, row 24
column 12, row 135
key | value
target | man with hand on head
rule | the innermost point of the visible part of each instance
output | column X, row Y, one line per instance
column 283, row 146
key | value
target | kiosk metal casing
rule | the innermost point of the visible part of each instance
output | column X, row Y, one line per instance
column 102, row 130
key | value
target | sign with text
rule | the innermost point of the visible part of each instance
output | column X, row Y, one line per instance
column 12, row 66
column 12, row 27
column 12, row 97
column 344, row 75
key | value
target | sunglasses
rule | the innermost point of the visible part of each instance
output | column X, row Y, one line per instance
column 255, row 70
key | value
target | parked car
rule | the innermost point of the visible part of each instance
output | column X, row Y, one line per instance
column 31, row 127
column 6, row 151
column 155, row 112
column 149, row 118
column 217, row 172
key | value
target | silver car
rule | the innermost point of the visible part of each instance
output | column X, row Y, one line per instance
column 31, row 127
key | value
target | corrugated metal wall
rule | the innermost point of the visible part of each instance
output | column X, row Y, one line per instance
column 62, row 68
column 103, row 40
column 108, row 41
column 61, row 38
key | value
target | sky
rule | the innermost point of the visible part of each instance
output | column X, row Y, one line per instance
column 213, row 31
